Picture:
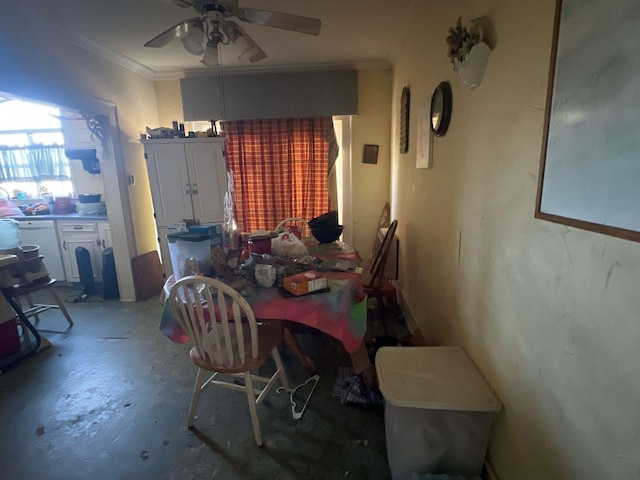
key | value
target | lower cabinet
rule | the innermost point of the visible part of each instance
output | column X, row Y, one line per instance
column 93, row 236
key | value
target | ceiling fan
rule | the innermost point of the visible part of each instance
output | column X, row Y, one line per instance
column 201, row 35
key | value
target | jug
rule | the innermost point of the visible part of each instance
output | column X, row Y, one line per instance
column 9, row 234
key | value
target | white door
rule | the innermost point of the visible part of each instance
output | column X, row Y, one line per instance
column 208, row 173
column 169, row 179
column 104, row 234
column 43, row 233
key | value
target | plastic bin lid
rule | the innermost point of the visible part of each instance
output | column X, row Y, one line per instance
column 187, row 237
column 442, row 378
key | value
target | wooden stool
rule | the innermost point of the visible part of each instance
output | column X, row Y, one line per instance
column 37, row 308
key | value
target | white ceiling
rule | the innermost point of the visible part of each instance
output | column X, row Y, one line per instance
column 354, row 33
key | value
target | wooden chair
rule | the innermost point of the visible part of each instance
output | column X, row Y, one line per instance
column 295, row 225
column 373, row 281
column 227, row 340
column 388, row 290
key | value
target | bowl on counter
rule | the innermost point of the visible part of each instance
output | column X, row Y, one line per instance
column 89, row 197
column 95, row 208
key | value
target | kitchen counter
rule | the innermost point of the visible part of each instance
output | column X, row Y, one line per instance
column 74, row 217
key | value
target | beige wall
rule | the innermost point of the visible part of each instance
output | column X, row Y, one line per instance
column 549, row 313
column 169, row 101
column 370, row 182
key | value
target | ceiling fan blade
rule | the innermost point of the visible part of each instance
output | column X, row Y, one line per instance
column 285, row 21
column 174, row 33
column 249, row 49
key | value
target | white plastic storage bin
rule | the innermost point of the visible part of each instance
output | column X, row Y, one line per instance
column 438, row 411
column 190, row 254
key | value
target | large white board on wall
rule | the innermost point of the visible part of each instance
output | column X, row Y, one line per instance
column 590, row 168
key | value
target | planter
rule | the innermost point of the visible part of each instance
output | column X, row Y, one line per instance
column 472, row 68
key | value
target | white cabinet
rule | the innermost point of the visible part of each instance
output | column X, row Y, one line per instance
column 188, row 179
column 89, row 235
column 77, row 135
column 104, row 235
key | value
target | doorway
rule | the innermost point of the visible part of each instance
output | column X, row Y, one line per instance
column 114, row 185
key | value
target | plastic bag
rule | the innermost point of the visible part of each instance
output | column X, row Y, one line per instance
column 288, row 245
column 7, row 207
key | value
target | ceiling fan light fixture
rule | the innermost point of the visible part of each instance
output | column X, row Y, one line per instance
column 247, row 47
column 210, row 58
column 192, row 42
column 213, row 28
column 244, row 46
column 255, row 54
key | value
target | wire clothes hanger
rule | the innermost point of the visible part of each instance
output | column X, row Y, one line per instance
column 298, row 415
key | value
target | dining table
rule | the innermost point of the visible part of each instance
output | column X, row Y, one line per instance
column 340, row 310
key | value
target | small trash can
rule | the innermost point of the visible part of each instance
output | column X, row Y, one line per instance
column 438, row 411
column 190, row 254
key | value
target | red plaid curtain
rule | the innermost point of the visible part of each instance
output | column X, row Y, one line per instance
column 280, row 169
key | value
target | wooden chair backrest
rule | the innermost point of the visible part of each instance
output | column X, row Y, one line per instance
column 380, row 258
column 298, row 223
column 383, row 222
column 216, row 319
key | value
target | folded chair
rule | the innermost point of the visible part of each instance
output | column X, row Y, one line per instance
column 227, row 340
column 373, row 281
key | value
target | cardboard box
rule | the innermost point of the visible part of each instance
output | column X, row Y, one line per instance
column 306, row 282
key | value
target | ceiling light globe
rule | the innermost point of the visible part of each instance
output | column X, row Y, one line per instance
column 210, row 58
column 192, row 43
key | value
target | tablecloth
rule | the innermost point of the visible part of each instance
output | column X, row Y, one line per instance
column 341, row 312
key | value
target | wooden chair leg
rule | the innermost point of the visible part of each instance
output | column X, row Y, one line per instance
column 197, row 390
column 281, row 371
column 31, row 305
column 60, row 303
column 253, row 408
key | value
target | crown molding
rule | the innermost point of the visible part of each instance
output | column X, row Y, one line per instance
column 117, row 58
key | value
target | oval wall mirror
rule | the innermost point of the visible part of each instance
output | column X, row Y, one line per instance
column 441, row 106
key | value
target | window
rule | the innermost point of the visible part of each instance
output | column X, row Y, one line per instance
column 279, row 169
column 32, row 160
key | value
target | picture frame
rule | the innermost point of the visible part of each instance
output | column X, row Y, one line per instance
column 370, row 154
column 589, row 175
column 424, row 144
column 405, row 102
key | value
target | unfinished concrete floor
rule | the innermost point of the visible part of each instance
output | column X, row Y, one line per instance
column 109, row 400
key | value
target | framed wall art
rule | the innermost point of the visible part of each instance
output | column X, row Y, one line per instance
column 405, row 101
column 589, row 169
column 370, row 154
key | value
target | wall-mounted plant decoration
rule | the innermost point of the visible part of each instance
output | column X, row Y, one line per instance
column 467, row 51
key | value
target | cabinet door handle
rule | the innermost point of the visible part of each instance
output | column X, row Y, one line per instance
column 64, row 244
column 194, row 192
column 104, row 244
column 98, row 242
